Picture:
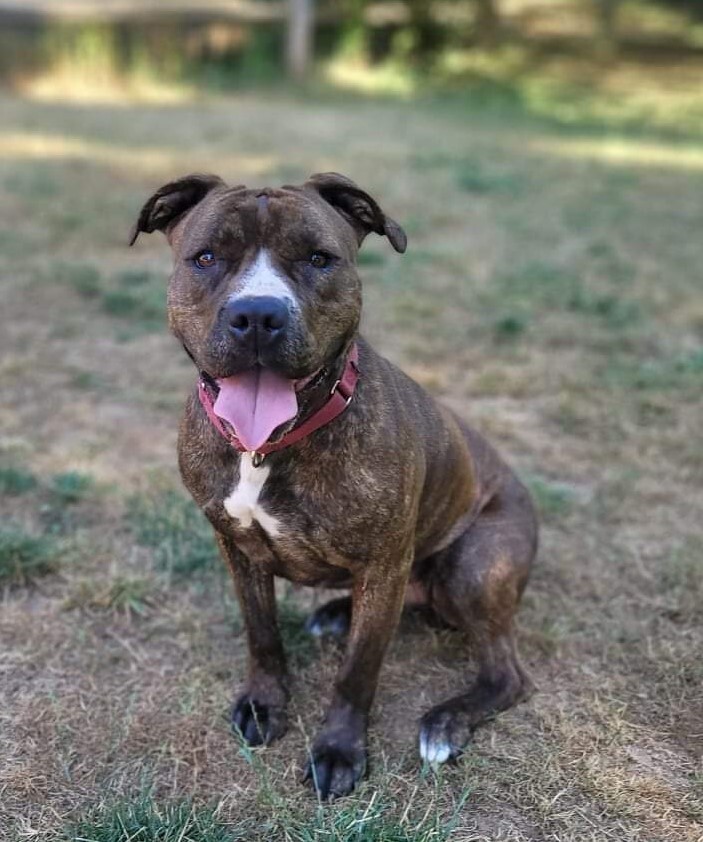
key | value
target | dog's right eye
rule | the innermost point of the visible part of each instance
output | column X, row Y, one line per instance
column 320, row 259
column 205, row 260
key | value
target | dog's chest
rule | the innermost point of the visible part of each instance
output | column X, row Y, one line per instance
column 293, row 539
column 244, row 501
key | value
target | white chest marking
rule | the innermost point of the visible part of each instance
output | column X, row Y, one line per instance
column 262, row 278
column 243, row 501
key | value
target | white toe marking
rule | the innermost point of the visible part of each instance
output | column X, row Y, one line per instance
column 315, row 629
column 243, row 501
column 262, row 278
column 434, row 750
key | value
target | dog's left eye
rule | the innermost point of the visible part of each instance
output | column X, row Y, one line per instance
column 319, row 259
column 205, row 260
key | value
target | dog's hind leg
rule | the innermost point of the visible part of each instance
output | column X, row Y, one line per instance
column 475, row 585
column 331, row 619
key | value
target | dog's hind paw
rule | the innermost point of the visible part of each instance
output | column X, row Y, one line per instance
column 257, row 723
column 435, row 748
column 331, row 619
column 443, row 735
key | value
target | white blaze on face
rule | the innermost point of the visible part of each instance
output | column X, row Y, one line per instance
column 243, row 502
column 261, row 278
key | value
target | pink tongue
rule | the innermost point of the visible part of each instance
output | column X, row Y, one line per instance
column 255, row 403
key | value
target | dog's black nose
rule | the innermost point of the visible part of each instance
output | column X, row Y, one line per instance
column 262, row 319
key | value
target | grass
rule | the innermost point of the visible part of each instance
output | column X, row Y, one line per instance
column 550, row 295
column 368, row 821
column 84, row 278
column 135, row 298
column 71, row 487
column 541, row 288
column 15, row 481
column 474, row 178
column 682, row 371
column 553, row 500
column 24, row 557
column 126, row 595
column 682, row 578
column 175, row 530
column 144, row 821
column 301, row 648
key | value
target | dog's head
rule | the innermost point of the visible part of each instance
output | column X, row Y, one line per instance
column 264, row 291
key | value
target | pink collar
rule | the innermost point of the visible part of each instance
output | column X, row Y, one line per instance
column 339, row 400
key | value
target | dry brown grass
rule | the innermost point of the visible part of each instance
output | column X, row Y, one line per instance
column 551, row 294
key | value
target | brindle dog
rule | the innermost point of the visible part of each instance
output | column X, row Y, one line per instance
column 394, row 495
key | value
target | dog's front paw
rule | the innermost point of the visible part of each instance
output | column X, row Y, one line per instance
column 333, row 769
column 256, row 722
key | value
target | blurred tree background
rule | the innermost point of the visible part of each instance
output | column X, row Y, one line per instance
column 396, row 45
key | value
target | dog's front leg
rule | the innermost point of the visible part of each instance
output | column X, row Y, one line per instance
column 259, row 713
column 338, row 754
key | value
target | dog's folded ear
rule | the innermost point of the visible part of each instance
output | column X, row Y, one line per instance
column 360, row 210
column 171, row 201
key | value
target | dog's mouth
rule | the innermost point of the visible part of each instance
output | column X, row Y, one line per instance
column 258, row 401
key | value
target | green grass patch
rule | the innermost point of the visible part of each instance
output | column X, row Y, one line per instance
column 370, row 258
column 301, row 647
column 24, row 556
column 35, row 183
column 473, row 177
column 71, row 487
column 147, row 306
column 125, row 594
column 131, row 278
column 681, row 576
column 83, row 277
column 538, row 289
column 179, row 534
column 87, row 381
column 613, row 310
column 510, row 327
column 144, row 821
column 137, row 296
column 683, row 371
column 374, row 817
column 553, row 500
column 15, row 481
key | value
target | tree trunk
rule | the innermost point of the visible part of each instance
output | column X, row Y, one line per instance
column 607, row 37
column 427, row 33
column 487, row 22
column 300, row 29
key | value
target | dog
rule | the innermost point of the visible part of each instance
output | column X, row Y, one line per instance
column 316, row 459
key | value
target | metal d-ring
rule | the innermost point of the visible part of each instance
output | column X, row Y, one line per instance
column 257, row 458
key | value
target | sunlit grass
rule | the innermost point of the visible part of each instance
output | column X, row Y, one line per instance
column 624, row 152
column 67, row 85
column 387, row 79
column 40, row 146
